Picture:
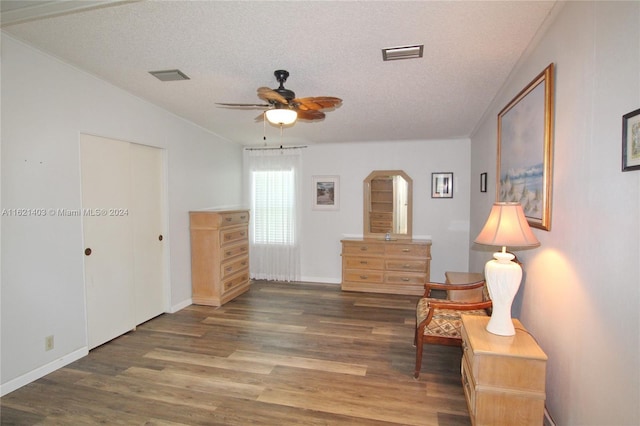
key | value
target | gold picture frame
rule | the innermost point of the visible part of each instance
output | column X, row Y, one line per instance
column 525, row 150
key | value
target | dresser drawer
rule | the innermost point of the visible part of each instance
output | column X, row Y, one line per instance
column 363, row 263
column 469, row 387
column 235, row 250
column 236, row 281
column 233, row 235
column 362, row 248
column 216, row 220
column 364, row 276
column 230, row 268
column 406, row 265
column 416, row 250
column 404, row 278
column 234, row 218
column 467, row 350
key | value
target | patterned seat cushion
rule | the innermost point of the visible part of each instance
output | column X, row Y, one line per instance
column 445, row 322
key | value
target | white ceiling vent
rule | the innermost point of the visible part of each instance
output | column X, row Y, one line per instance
column 169, row 75
column 402, row 52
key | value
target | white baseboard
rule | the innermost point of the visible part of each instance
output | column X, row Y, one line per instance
column 40, row 372
column 177, row 307
column 321, row 280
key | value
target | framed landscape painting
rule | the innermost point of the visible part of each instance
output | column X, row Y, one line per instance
column 326, row 192
column 525, row 149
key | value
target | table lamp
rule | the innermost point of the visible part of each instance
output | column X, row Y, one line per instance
column 506, row 226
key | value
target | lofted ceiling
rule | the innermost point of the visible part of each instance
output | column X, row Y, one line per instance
column 331, row 48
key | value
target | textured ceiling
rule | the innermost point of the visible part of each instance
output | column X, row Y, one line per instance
column 331, row 48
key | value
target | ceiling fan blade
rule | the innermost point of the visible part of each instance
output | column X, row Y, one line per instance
column 250, row 106
column 271, row 95
column 310, row 114
column 316, row 103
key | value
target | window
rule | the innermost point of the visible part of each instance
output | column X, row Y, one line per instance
column 273, row 202
column 272, row 179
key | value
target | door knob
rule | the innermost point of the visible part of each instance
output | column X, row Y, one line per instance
column 160, row 237
column 87, row 251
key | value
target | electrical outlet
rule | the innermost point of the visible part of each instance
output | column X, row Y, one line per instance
column 48, row 343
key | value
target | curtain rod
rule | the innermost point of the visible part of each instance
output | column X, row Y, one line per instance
column 276, row 147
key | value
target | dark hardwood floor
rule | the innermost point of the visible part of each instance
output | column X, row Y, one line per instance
column 281, row 354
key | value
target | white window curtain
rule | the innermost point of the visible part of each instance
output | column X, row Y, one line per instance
column 272, row 177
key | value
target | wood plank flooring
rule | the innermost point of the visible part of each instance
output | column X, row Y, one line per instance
column 281, row 354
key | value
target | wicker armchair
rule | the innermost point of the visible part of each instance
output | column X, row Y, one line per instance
column 438, row 320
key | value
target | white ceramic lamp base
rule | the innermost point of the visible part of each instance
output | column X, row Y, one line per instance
column 503, row 280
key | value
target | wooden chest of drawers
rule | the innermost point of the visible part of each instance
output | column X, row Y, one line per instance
column 380, row 266
column 503, row 376
column 219, row 255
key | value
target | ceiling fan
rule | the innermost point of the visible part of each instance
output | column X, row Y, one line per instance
column 284, row 108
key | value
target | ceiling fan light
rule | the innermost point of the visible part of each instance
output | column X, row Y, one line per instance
column 281, row 116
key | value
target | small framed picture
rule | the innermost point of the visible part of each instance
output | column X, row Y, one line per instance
column 442, row 185
column 483, row 182
column 631, row 141
column 326, row 192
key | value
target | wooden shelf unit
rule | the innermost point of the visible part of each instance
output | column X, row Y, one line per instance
column 381, row 213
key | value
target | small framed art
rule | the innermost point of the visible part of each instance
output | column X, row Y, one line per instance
column 442, row 185
column 326, row 192
column 631, row 141
column 483, row 182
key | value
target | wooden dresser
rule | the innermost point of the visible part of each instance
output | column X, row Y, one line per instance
column 219, row 255
column 380, row 266
column 503, row 376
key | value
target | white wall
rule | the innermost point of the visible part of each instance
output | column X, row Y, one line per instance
column 580, row 298
column 45, row 106
column 445, row 221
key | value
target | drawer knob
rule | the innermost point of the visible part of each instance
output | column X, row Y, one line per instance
column 406, row 250
column 364, row 262
column 405, row 279
column 363, row 248
column 364, row 277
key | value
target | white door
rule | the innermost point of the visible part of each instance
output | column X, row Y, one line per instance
column 122, row 208
column 148, row 238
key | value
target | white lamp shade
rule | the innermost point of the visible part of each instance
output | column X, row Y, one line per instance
column 507, row 226
column 281, row 116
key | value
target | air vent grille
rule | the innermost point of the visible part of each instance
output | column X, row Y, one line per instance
column 169, row 75
column 402, row 52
